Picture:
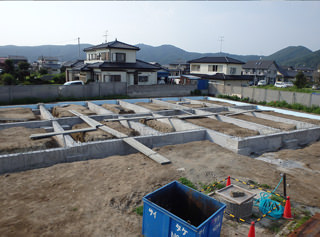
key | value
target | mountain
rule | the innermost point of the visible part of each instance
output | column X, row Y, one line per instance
column 166, row 54
column 63, row 52
column 289, row 55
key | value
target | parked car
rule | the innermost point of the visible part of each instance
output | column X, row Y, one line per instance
column 289, row 84
column 315, row 87
column 262, row 83
column 69, row 83
column 280, row 84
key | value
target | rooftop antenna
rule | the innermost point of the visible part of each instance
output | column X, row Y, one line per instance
column 221, row 39
column 79, row 46
column 106, row 35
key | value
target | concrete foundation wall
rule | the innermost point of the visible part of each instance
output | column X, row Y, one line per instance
column 92, row 150
column 257, row 94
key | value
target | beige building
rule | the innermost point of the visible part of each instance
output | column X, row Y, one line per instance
column 112, row 62
column 220, row 70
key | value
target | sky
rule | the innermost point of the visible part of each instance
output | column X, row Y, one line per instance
column 253, row 27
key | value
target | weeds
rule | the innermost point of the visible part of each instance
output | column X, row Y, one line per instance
column 139, row 210
column 187, row 182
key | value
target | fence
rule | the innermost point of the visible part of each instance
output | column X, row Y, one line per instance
column 258, row 94
column 11, row 93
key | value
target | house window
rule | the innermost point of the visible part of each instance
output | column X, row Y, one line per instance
column 120, row 57
column 143, row 78
column 233, row 70
column 115, row 78
column 195, row 68
column 103, row 56
column 212, row 68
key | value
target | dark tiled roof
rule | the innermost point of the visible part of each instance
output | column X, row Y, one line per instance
column 73, row 63
column 52, row 65
column 110, row 65
column 15, row 57
column 48, row 58
column 222, row 76
column 114, row 44
column 226, row 60
column 258, row 64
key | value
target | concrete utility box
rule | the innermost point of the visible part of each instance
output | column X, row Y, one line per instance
column 239, row 200
column 176, row 210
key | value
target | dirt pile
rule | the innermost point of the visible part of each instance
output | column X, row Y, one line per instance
column 16, row 115
column 152, row 106
column 117, row 109
column 100, row 135
column 157, row 125
column 16, row 139
column 226, row 128
column 60, row 112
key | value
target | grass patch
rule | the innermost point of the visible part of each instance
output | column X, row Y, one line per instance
column 187, row 182
column 210, row 188
column 277, row 199
column 302, row 221
column 139, row 210
column 265, row 186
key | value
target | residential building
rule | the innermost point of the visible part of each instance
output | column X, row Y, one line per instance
column 289, row 74
column 113, row 62
column 220, row 70
column 261, row 70
column 17, row 59
column 177, row 69
column 51, row 64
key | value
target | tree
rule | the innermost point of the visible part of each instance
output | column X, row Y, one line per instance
column 301, row 80
column 23, row 70
column 43, row 71
column 9, row 66
column 8, row 79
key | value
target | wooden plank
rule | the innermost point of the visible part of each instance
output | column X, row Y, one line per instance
column 94, row 123
column 146, row 151
column 50, row 134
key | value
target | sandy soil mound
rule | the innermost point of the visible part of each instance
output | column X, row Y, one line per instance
column 266, row 122
column 16, row 139
column 60, row 112
column 100, row 135
column 117, row 109
column 89, row 198
column 152, row 106
column 157, row 125
column 16, row 115
column 226, row 128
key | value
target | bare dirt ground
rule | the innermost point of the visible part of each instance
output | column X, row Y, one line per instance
column 97, row 197
column 16, row 139
column 313, row 121
column 100, row 135
column 218, row 103
column 157, row 125
column 60, row 112
column 266, row 122
column 16, row 115
column 152, row 106
column 117, row 109
column 226, row 128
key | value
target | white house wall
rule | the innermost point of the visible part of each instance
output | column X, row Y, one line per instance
column 222, row 68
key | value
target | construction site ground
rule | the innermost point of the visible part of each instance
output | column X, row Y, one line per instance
column 98, row 197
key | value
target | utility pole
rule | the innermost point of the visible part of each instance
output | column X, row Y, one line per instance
column 221, row 39
column 79, row 46
column 106, row 35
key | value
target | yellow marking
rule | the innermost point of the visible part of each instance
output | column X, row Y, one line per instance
column 278, row 195
column 252, row 185
column 231, row 215
column 218, row 182
column 269, row 191
column 269, row 211
column 264, row 215
column 260, row 188
column 244, row 182
column 202, row 190
column 258, row 219
column 242, row 220
column 237, row 180
column 284, row 200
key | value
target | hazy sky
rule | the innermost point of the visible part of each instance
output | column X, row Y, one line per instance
column 248, row 27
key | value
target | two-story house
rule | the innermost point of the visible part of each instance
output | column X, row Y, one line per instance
column 113, row 62
column 220, row 70
column 261, row 70
column 49, row 63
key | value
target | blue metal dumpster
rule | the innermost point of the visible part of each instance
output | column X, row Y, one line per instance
column 176, row 210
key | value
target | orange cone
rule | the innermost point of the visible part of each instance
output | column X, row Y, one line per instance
column 228, row 181
column 252, row 231
column 287, row 210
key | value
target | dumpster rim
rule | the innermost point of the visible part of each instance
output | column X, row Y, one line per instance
column 176, row 218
